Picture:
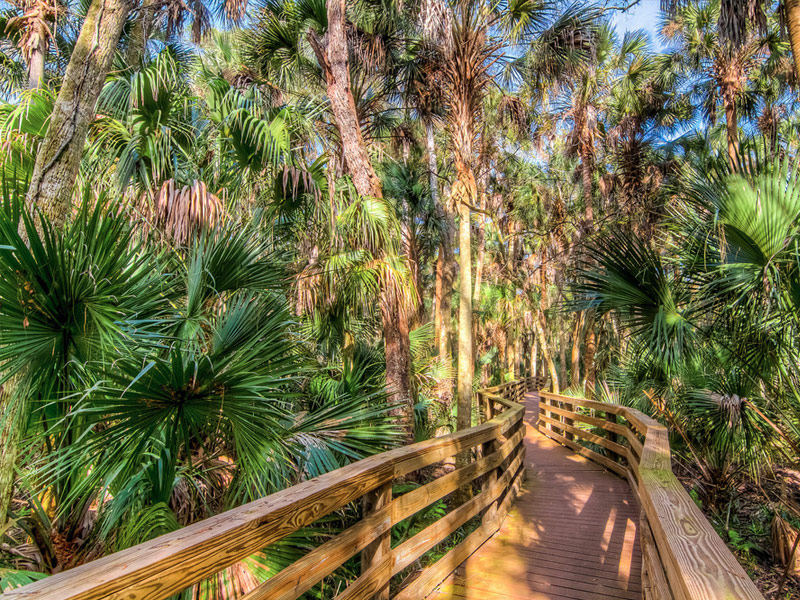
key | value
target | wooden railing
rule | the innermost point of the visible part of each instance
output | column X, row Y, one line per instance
column 174, row 562
column 683, row 557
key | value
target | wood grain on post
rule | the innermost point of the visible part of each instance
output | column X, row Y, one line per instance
column 374, row 553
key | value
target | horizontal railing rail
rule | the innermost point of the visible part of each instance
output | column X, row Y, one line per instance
column 176, row 561
column 683, row 557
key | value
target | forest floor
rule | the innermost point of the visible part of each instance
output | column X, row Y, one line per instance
column 745, row 524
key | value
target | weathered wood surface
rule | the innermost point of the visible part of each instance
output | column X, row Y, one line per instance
column 571, row 535
column 168, row 564
column 686, row 559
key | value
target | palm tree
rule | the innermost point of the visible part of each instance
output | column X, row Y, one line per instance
column 723, row 67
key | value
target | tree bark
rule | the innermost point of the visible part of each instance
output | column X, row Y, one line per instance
column 731, row 125
column 465, row 360
column 575, row 375
column 586, row 176
column 12, row 416
column 539, row 328
column 36, row 63
column 445, row 277
column 589, row 348
column 139, row 35
column 792, row 11
column 58, row 160
column 534, row 357
column 433, row 169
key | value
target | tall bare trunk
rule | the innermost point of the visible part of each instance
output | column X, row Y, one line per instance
column 589, row 348
column 36, row 63
column 731, row 124
column 792, row 11
column 534, row 357
column 12, row 416
column 58, row 160
column 586, row 176
column 332, row 53
column 141, row 28
column 445, row 277
column 562, row 359
column 539, row 328
column 465, row 360
column 575, row 375
column 433, row 169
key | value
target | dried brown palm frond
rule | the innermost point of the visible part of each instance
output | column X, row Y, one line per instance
column 182, row 211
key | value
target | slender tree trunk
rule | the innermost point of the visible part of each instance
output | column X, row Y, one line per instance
column 12, row 415
column 534, row 357
column 433, row 169
column 575, row 377
column 58, row 160
column 332, row 53
column 792, row 8
column 562, row 359
column 539, row 328
column 481, row 251
column 465, row 359
column 586, row 177
column 36, row 64
column 731, row 125
column 589, row 348
column 445, row 277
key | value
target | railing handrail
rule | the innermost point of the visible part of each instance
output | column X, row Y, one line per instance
column 172, row 562
column 688, row 558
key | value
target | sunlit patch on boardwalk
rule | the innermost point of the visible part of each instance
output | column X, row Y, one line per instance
column 573, row 534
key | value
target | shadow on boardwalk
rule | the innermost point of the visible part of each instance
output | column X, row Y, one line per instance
column 572, row 534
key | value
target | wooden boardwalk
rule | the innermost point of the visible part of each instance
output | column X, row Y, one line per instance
column 572, row 534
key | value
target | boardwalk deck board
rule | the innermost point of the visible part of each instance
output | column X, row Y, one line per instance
column 572, row 534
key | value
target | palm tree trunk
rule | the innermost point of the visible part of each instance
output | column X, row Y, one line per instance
column 562, row 358
column 433, row 170
column 445, row 277
column 731, row 125
column 465, row 359
column 538, row 326
column 575, row 375
column 589, row 348
column 792, row 11
column 58, row 160
column 12, row 415
column 586, row 176
column 141, row 27
column 36, row 64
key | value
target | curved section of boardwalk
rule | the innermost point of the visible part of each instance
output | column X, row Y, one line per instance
column 573, row 534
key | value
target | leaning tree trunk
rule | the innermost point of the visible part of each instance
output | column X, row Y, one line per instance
column 792, row 12
column 58, row 159
column 332, row 53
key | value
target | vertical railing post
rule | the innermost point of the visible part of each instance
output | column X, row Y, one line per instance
column 375, row 552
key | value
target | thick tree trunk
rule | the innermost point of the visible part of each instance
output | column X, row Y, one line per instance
column 792, row 8
column 575, row 375
column 343, row 106
column 397, row 350
column 58, row 160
